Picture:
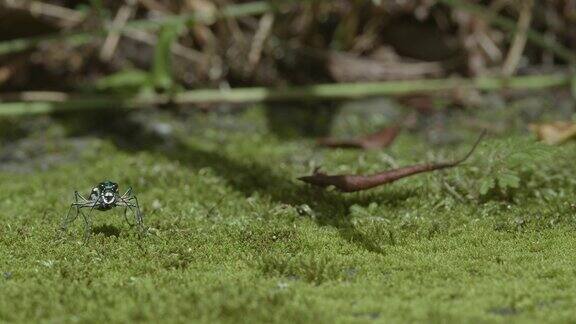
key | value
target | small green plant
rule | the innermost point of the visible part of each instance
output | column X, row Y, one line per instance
column 309, row 268
column 503, row 168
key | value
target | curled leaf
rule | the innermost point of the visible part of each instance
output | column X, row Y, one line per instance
column 353, row 183
column 381, row 139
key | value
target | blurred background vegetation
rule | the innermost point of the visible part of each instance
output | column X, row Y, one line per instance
column 193, row 56
column 198, row 43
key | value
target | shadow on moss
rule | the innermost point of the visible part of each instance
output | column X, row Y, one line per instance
column 330, row 208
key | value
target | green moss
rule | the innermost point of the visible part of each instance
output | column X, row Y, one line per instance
column 236, row 238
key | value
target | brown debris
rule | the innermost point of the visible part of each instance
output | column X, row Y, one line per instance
column 353, row 183
column 344, row 67
column 554, row 133
column 381, row 139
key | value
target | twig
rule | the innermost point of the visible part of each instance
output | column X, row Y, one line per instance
column 76, row 38
column 510, row 25
column 264, row 29
column 515, row 54
column 111, row 42
column 353, row 183
column 488, row 46
column 66, row 17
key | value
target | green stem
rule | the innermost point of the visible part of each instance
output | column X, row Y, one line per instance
column 341, row 91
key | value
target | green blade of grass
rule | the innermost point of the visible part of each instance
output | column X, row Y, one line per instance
column 162, row 67
column 340, row 91
column 361, row 90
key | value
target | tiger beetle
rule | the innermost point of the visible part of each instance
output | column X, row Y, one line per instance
column 104, row 196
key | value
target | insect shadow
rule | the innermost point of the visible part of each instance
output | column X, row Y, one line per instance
column 107, row 230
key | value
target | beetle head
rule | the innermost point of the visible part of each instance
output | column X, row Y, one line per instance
column 108, row 191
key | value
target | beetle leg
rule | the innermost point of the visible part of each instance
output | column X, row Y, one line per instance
column 126, row 217
column 127, row 194
column 139, row 218
column 87, row 227
column 133, row 204
column 124, row 203
column 78, row 195
column 88, row 222
column 76, row 204
column 130, row 201
column 67, row 220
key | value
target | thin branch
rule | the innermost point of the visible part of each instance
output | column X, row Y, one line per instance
column 77, row 38
column 111, row 42
column 66, row 17
column 177, row 48
column 264, row 29
column 510, row 25
column 515, row 54
column 353, row 183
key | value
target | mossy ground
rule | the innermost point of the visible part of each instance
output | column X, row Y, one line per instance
column 235, row 238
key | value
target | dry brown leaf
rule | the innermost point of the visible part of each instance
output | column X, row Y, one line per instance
column 381, row 139
column 554, row 133
column 353, row 183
